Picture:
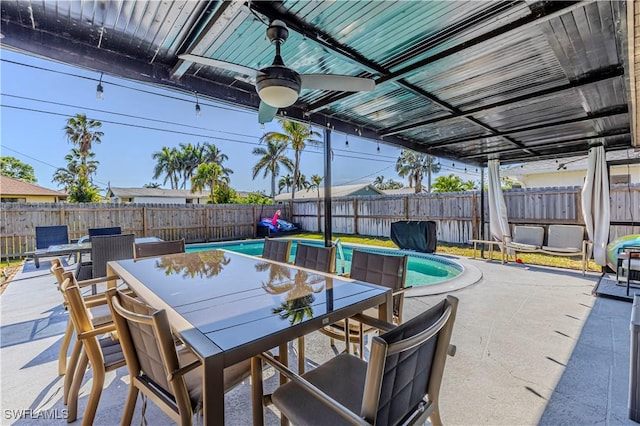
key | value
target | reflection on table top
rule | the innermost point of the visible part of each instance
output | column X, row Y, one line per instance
column 233, row 298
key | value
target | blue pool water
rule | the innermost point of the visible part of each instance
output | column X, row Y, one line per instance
column 422, row 269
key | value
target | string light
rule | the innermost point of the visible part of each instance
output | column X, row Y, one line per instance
column 378, row 149
column 346, row 140
column 99, row 89
column 197, row 105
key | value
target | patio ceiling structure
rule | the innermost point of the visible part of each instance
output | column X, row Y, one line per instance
column 463, row 80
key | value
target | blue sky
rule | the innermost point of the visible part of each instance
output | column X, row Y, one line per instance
column 139, row 120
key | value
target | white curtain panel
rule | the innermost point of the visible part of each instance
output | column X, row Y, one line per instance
column 596, row 206
column 498, row 222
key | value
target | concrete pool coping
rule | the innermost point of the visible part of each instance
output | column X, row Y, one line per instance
column 470, row 274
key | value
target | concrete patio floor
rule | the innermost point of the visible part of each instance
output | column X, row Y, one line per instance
column 533, row 347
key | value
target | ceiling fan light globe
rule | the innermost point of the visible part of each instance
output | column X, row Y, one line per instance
column 278, row 96
column 278, row 86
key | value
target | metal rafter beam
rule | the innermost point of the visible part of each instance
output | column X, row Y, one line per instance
column 554, row 142
column 610, row 112
column 591, row 78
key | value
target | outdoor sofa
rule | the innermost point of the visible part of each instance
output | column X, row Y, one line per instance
column 562, row 240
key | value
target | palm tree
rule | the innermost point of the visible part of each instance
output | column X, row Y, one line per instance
column 315, row 182
column 272, row 156
column 285, row 181
column 167, row 164
column 207, row 175
column 75, row 172
column 83, row 133
column 415, row 165
column 211, row 154
column 379, row 182
column 297, row 135
column 191, row 156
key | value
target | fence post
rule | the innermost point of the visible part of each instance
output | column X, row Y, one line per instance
column 144, row 221
column 355, row 216
column 406, row 207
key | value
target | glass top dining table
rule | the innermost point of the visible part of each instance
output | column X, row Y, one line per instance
column 229, row 307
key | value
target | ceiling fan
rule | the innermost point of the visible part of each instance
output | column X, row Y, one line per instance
column 279, row 86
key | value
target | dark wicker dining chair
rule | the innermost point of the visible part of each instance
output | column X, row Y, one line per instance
column 318, row 258
column 105, row 248
column 111, row 230
column 169, row 376
column 388, row 270
column 277, row 250
column 158, row 248
column 399, row 385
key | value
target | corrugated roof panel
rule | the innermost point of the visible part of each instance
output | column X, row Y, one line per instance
column 484, row 144
column 446, row 130
column 515, row 65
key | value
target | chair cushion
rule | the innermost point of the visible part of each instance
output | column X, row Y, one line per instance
column 532, row 235
column 112, row 352
column 233, row 375
column 100, row 315
column 565, row 236
column 342, row 378
column 562, row 249
column 522, row 246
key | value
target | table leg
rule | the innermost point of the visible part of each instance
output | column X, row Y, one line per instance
column 213, row 391
column 36, row 260
column 385, row 310
column 257, row 391
column 283, row 357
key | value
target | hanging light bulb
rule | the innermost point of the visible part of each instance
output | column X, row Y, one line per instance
column 99, row 89
column 197, row 105
column 378, row 149
column 346, row 140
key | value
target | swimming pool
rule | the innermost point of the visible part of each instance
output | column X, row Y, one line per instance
column 422, row 269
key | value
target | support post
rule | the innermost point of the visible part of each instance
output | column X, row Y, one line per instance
column 327, row 187
column 482, row 233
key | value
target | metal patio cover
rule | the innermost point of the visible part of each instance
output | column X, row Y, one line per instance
column 464, row 80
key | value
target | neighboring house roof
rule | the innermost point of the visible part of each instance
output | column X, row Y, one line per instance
column 10, row 186
column 399, row 191
column 336, row 191
column 153, row 192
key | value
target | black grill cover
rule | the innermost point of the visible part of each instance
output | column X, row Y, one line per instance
column 418, row 235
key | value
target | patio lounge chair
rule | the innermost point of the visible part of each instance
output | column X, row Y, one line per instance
column 382, row 269
column 399, row 384
column 158, row 248
column 562, row 240
column 169, row 376
column 98, row 348
column 278, row 250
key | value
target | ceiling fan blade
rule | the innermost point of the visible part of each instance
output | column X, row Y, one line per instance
column 266, row 113
column 338, row 83
column 241, row 69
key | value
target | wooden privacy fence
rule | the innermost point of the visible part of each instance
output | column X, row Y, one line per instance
column 458, row 214
column 193, row 222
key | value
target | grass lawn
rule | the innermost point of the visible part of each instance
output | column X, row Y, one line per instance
column 467, row 251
